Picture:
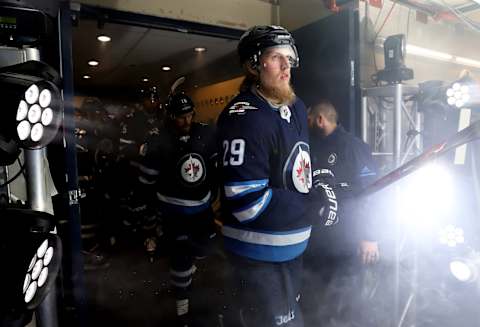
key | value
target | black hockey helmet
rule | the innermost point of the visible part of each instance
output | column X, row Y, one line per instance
column 258, row 38
column 179, row 104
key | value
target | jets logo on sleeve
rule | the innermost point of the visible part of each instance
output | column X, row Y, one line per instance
column 192, row 169
column 299, row 167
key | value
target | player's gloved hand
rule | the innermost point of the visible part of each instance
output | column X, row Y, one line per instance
column 323, row 175
column 326, row 176
column 325, row 199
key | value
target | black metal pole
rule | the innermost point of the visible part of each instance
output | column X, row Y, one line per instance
column 74, row 261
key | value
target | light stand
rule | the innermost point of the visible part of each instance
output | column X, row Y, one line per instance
column 32, row 110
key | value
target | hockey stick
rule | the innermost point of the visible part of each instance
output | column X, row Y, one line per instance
column 179, row 81
column 464, row 136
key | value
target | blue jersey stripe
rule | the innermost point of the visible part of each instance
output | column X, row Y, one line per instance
column 265, row 252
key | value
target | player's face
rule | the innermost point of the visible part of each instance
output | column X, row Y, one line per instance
column 184, row 122
column 275, row 66
column 275, row 73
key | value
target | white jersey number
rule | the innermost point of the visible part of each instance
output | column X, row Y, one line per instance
column 233, row 152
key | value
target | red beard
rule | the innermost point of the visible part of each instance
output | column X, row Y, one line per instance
column 279, row 95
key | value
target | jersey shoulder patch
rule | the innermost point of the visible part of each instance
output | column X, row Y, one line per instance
column 240, row 108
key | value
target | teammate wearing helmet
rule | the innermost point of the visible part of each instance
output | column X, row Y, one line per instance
column 139, row 124
column 267, row 181
column 179, row 164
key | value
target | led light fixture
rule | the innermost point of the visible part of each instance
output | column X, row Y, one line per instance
column 395, row 70
column 466, row 268
column 458, row 94
column 451, row 236
column 32, row 107
column 104, row 38
column 463, row 93
column 31, row 258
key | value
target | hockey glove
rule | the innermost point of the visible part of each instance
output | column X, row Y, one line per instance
column 324, row 176
column 326, row 203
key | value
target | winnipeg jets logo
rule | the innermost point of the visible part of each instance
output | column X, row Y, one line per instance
column 285, row 113
column 302, row 171
column 192, row 168
column 332, row 158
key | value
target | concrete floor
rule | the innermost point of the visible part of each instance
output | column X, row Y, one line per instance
column 133, row 291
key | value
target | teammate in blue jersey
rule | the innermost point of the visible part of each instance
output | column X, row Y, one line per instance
column 266, row 179
column 331, row 260
column 179, row 163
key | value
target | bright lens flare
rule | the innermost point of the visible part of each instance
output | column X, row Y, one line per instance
column 425, row 195
column 461, row 270
column 451, row 236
